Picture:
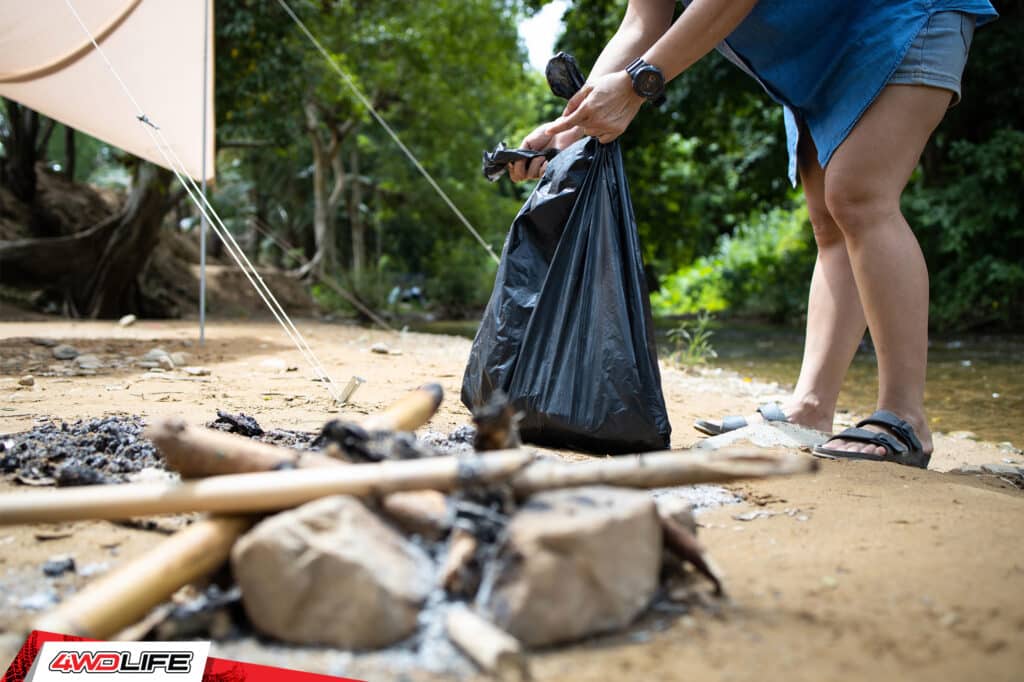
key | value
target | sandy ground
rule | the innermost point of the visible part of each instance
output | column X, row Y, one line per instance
column 892, row 573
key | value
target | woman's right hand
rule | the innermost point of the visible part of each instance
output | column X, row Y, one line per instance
column 539, row 140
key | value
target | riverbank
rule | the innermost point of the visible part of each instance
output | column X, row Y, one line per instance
column 885, row 571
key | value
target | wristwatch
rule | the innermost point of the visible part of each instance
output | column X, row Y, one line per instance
column 648, row 81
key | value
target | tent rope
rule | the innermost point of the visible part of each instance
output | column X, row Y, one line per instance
column 384, row 124
column 202, row 203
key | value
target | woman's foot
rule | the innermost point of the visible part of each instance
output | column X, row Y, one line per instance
column 806, row 412
column 916, row 420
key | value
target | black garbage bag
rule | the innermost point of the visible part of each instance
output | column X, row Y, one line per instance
column 567, row 333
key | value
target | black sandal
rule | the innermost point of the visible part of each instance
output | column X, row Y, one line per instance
column 901, row 446
column 770, row 411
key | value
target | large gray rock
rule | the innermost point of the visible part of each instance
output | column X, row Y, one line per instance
column 576, row 562
column 331, row 572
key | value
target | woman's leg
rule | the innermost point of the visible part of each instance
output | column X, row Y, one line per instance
column 835, row 319
column 863, row 183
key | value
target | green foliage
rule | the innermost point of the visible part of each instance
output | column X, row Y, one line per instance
column 691, row 341
column 972, row 228
column 763, row 268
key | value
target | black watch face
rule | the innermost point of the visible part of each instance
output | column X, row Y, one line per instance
column 649, row 83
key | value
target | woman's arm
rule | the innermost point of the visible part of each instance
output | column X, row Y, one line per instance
column 606, row 105
column 645, row 21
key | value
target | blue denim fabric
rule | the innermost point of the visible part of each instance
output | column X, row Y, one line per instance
column 826, row 61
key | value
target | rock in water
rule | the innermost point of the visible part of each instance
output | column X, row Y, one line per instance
column 331, row 572
column 576, row 562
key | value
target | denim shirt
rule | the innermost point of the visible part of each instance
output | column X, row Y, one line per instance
column 825, row 61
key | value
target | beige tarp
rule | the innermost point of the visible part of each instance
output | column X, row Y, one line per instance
column 48, row 64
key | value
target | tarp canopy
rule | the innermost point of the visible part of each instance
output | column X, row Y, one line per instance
column 48, row 64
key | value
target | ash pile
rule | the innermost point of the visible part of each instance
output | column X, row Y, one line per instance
column 366, row 538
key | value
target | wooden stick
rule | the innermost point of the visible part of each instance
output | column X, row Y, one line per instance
column 682, row 542
column 493, row 649
column 660, row 469
column 256, row 492
column 409, row 412
column 198, row 452
column 126, row 594
column 461, row 548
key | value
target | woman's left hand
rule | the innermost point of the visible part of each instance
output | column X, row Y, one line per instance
column 602, row 108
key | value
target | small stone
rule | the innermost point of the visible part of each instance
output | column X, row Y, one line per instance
column 65, row 352
column 179, row 358
column 88, row 361
column 331, row 572
column 196, row 371
column 58, row 565
column 576, row 562
column 127, row 321
column 166, row 362
column 40, row 601
column 43, row 341
column 1007, row 446
column 154, row 354
column 27, row 380
column 998, row 469
column 381, row 348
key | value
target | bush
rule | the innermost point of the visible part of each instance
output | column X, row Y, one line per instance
column 763, row 268
column 970, row 226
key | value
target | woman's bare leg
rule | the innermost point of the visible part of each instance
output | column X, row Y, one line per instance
column 863, row 183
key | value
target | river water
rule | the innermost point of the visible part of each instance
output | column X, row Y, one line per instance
column 975, row 382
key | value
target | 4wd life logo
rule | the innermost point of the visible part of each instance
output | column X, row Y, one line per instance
column 177, row 661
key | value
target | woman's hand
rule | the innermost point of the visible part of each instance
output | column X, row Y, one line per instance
column 540, row 140
column 603, row 108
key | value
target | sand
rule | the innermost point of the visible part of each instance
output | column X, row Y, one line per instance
column 885, row 572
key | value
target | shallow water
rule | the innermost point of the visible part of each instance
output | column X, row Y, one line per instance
column 975, row 382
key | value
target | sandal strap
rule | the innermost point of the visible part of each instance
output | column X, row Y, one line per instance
column 772, row 412
column 885, row 440
column 733, row 422
column 901, row 429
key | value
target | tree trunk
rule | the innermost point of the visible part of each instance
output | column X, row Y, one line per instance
column 98, row 269
column 355, row 218
column 19, row 168
column 113, row 289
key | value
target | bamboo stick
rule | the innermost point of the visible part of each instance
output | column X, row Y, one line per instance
column 491, row 648
column 256, row 492
column 126, row 594
column 198, row 452
column 660, row 469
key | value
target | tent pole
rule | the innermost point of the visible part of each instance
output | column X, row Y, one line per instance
column 202, row 225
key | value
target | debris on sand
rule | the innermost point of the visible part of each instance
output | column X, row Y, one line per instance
column 86, row 452
column 58, row 565
column 240, row 423
column 65, row 352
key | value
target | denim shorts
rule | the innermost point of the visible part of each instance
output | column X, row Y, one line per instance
column 938, row 54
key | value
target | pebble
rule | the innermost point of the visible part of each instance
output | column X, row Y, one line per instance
column 65, row 352
column 58, row 565
column 88, row 361
column 165, row 362
column 127, row 321
column 40, row 601
column 1002, row 469
column 43, row 341
column 381, row 348
column 27, row 380
column 196, row 371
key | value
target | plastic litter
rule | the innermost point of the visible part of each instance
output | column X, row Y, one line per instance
column 567, row 333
